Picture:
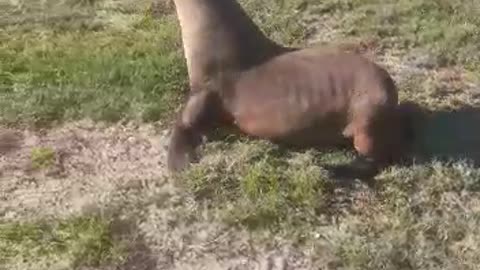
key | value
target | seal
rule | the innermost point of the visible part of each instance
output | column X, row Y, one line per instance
column 308, row 97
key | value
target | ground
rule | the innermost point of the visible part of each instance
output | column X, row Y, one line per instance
column 88, row 90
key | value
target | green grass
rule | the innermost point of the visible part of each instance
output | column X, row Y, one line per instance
column 279, row 20
column 51, row 73
column 61, row 244
column 446, row 30
column 417, row 217
column 259, row 186
column 42, row 157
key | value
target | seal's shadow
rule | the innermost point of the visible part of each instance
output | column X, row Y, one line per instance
column 446, row 135
column 437, row 135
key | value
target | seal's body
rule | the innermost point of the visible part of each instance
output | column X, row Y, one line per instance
column 302, row 97
column 334, row 93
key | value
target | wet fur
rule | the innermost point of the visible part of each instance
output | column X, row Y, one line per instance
column 300, row 97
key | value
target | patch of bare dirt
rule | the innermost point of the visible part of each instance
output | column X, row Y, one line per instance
column 122, row 168
column 90, row 161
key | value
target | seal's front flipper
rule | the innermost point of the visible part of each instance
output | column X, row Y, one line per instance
column 181, row 149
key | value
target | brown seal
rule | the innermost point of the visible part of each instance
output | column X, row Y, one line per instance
column 301, row 97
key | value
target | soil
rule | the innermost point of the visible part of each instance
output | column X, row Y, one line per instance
column 122, row 168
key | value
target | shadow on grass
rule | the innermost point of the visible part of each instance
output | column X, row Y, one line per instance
column 447, row 135
column 139, row 256
column 439, row 135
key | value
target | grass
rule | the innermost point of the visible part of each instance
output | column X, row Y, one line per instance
column 42, row 157
column 52, row 73
column 416, row 217
column 113, row 61
column 61, row 244
column 262, row 185
column 422, row 222
column 445, row 30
